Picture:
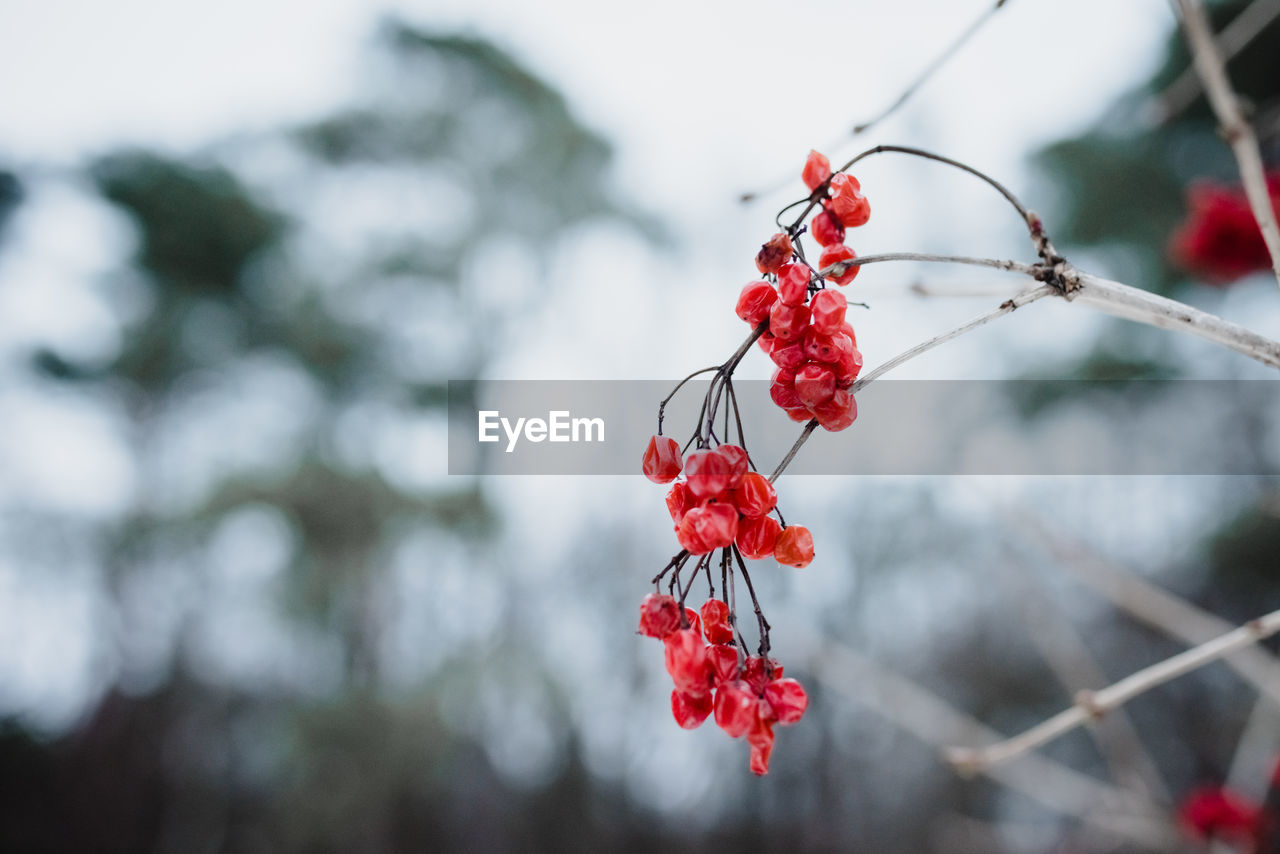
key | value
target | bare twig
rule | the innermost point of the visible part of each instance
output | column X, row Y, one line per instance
column 1091, row 705
column 1237, row 131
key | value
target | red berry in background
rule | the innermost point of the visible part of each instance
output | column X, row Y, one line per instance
column 755, row 496
column 761, row 740
column 794, row 547
column 757, row 536
column 690, row 710
column 817, row 168
column 774, row 254
column 708, row 474
column 815, row 385
column 724, row 663
column 788, row 700
column 715, row 622
column 793, row 284
column 1215, row 812
column 755, row 301
column 716, row 524
column 834, row 255
column 687, row 533
column 679, row 502
column 738, row 460
column 659, row 616
column 788, row 322
column 735, row 708
column 826, row 229
column 838, row 413
column 1220, row 241
column 662, row 459
column 827, row 311
column 686, row 659
column 847, row 204
column 783, row 390
column 788, row 355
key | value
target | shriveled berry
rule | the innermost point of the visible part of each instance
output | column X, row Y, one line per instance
column 686, row 660
column 760, row 738
column 690, row 710
column 794, row 547
column 774, row 254
column 755, row 301
column 847, row 204
column 716, row 524
column 847, row 366
column 708, row 473
column 767, row 342
column 735, row 708
column 838, row 413
column 738, row 461
column 827, row 311
column 693, row 620
column 817, row 168
column 724, row 663
column 755, row 496
column 788, row 322
column 847, row 329
column 826, row 229
column 788, row 700
column 758, row 672
column 757, row 536
column 679, row 501
column 793, row 284
column 687, row 533
column 788, row 355
column 815, row 384
column 835, row 255
column 800, row 415
column 783, row 390
column 662, row 459
column 659, row 616
column 715, row 622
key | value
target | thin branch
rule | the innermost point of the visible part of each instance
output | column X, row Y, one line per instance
column 1091, row 705
column 1238, row 132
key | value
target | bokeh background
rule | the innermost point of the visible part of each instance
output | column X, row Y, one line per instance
column 244, row 246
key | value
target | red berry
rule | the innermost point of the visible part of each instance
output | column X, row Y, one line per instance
column 788, row 356
column 848, row 365
column 695, row 622
column 761, row 740
column 686, row 659
column 835, row 255
column 783, row 390
column 755, row 496
column 735, row 708
column 793, row 284
column 815, row 385
column 787, row 699
column 774, row 254
column 794, row 547
column 662, row 459
column 708, row 474
column 758, row 672
column 754, row 302
column 838, row 413
column 757, row 536
column 715, row 523
column 724, row 663
column 826, row 229
column 800, row 414
column 690, row 710
column 687, row 534
column 738, row 462
column 817, row 168
column 659, row 616
column 679, row 501
column 767, row 342
column 715, row 622
column 788, row 322
column 847, row 329
column 1218, row 812
column 827, row 311
column 847, row 204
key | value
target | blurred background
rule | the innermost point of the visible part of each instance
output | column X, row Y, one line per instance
column 244, row 246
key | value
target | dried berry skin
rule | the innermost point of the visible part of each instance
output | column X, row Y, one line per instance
column 834, row 255
column 758, row 672
column 687, row 533
column 788, row 700
column 760, row 737
column 826, row 229
column 756, row 537
column 837, row 414
column 679, row 501
column 659, row 616
column 793, row 284
column 794, row 547
column 716, row 524
column 847, row 204
column 827, row 311
column 788, row 322
column 755, row 301
column 715, row 622
column 783, row 391
column 847, row 366
column 789, row 356
column 774, row 254
column 800, row 415
column 817, row 168
column 755, row 496
column 708, row 474
column 738, row 461
column 735, row 708
column 815, row 385
column 724, row 663
column 694, row 621
column 686, row 660
column 662, row 459
column 690, row 710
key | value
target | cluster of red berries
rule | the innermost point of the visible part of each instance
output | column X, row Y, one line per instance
column 1220, row 241
column 748, row 695
column 720, row 504
column 808, row 338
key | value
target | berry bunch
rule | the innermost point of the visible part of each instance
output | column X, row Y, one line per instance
column 748, row 695
column 807, row 336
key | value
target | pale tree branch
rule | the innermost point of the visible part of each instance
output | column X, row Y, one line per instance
column 1091, row 705
column 1237, row 131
